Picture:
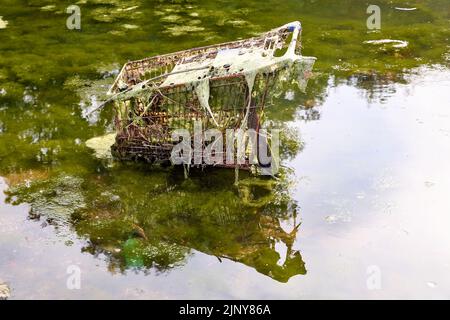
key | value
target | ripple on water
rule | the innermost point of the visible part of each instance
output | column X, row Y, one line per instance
column 102, row 145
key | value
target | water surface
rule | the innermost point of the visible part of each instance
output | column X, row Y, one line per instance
column 365, row 179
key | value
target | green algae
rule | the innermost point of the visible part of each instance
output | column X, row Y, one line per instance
column 144, row 218
column 55, row 200
column 182, row 30
column 3, row 23
column 157, row 226
column 172, row 18
column 102, row 145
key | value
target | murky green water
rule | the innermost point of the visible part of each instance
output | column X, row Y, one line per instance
column 363, row 192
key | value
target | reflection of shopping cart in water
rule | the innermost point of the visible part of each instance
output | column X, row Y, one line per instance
column 222, row 86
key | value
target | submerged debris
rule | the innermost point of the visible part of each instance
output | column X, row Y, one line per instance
column 222, row 86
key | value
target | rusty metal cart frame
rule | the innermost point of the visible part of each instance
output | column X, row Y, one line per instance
column 148, row 108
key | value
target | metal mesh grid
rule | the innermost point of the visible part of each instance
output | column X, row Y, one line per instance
column 144, row 123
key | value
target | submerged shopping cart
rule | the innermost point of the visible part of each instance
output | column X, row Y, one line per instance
column 223, row 86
